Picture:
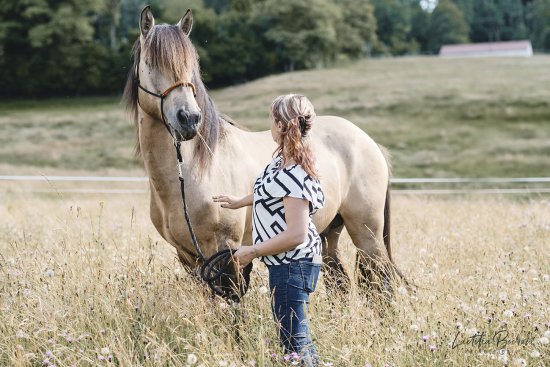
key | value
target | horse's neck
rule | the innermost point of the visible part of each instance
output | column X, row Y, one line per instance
column 159, row 156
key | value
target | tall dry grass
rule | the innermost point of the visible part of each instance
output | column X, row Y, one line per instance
column 88, row 282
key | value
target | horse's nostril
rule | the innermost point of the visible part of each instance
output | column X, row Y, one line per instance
column 183, row 116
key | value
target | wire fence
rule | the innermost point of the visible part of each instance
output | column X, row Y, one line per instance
column 467, row 185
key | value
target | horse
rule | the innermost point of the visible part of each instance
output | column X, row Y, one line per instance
column 223, row 157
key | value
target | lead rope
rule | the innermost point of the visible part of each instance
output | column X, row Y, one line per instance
column 212, row 268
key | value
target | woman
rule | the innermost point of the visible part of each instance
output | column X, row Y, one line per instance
column 286, row 195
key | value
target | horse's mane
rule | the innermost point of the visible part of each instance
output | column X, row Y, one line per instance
column 171, row 51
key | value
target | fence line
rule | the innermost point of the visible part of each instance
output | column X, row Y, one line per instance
column 543, row 190
column 75, row 178
column 393, row 180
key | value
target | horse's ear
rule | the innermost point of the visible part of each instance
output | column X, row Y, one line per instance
column 186, row 22
column 146, row 20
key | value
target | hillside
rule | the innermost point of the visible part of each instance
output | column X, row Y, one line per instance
column 438, row 117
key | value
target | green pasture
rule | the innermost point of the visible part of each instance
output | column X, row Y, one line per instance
column 439, row 117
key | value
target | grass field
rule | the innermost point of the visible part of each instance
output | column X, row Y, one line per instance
column 439, row 117
column 85, row 280
column 88, row 282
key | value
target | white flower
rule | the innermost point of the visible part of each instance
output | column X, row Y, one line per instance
column 222, row 363
column 520, row 362
column 263, row 289
column 546, row 277
column 191, row 359
column 49, row 273
column 542, row 341
column 105, row 351
column 503, row 356
column 459, row 326
column 535, row 354
column 502, row 297
column 508, row 313
column 414, row 327
column 547, row 333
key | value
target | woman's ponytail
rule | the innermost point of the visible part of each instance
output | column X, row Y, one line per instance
column 296, row 114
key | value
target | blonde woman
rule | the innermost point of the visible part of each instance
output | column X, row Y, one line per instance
column 286, row 194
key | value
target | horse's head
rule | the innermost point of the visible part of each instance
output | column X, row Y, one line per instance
column 166, row 67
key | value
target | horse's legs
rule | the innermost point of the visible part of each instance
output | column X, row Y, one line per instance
column 336, row 278
column 365, row 227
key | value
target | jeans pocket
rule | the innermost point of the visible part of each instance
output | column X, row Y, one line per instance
column 310, row 272
column 295, row 275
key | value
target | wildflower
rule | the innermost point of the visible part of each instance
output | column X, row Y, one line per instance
column 508, row 313
column 368, row 365
column 542, row 341
column 104, row 351
column 294, row 355
column 252, row 362
column 48, row 354
column 520, row 362
column 432, row 348
column 262, row 289
column 286, row 357
column 101, row 358
column 191, row 359
column 502, row 297
column 328, row 364
column 425, row 338
column 547, row 333
column 222, row 363
column 46, row 362
column 414, row 327
column 546, row 277
column 49, row 273
column 503, row 356
column 459, row 326
column 535, row 354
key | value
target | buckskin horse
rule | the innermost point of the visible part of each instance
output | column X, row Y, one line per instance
column 168, row 101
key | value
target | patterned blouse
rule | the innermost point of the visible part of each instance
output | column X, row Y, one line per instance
column 268, row 212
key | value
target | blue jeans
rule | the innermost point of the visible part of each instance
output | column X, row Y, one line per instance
column 291, row 285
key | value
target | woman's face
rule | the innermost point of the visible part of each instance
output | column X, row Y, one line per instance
column 275, row 130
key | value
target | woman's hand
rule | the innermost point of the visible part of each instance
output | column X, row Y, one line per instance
column 244, row 255
column 229, row 202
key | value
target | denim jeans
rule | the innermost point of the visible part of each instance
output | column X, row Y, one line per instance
column 290, row 285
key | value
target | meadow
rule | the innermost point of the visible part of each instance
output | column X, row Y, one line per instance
column 86, row 281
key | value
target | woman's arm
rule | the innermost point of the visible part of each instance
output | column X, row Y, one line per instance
column 233, row 202
column 297, row 216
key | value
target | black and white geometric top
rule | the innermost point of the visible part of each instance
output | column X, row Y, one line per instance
column 268, row 212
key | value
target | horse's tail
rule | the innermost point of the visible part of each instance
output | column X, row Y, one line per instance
column 387, row 212
column 387, row 222
column 387, row 217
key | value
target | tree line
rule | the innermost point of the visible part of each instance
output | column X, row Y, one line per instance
column 82, row 47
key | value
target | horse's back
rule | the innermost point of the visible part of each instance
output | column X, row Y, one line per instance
column 337, row 136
